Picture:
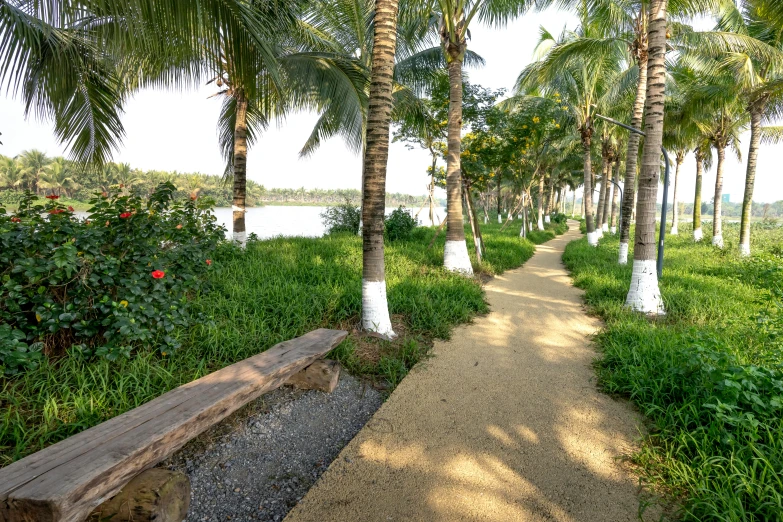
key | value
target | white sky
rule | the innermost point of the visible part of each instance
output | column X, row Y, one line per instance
column 177, row 131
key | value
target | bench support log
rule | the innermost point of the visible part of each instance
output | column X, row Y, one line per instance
column 322, row 375
column 157, row 495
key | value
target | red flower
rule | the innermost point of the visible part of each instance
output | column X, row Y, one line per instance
column 52, row 196
column 57, row 211
column 15, row 220
column 158, row 274
column 122, row 185
column 125, row 215
column 179, row 227
column 87, row 222
column 209, row 262
column 70, row 208
column 193, row 197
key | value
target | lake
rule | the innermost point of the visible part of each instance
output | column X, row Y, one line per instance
column 271, row 221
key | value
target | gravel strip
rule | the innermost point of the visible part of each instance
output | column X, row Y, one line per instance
column 262, row 467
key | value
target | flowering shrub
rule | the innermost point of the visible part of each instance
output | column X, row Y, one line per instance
column 101, row 286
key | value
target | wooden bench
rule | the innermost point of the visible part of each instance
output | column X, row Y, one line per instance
column 67, row 480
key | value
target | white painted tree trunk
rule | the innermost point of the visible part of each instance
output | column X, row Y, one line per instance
column 698, row 235
column 540, row 223
column 605, row 227
column 241, row 238
column 744, row 249
column 623, row 257
column 717, row 240
column 375, row 310
column 500, row 218
column 592, row 238
column 674, row 230
column 456, row 259
column 644, row 295
column 613, row 230
column 546, row 219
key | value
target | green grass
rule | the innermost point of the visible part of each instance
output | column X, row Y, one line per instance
column 708, row 376
column 274, row 291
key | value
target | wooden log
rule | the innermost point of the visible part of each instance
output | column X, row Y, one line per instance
column 322, row 375
column 157, row 495
column 67, row 480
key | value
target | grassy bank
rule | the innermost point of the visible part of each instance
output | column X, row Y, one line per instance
column 275, row 290
column 708, row 376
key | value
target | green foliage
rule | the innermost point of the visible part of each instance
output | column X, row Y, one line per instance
column 342, row 218
column 103, row 286
column 273, row 291
column 709, row 375
column 399, row 224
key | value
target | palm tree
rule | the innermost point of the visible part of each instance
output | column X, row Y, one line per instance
column 375, row 309
column 644, row 295
column 583, row 79
column 760, row 77
column 703, row 160
column 455, row 19
column 10, row 173
column 33, row 164
column 80, row 74
column 59, row 177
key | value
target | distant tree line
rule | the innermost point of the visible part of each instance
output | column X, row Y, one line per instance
column 34, row 171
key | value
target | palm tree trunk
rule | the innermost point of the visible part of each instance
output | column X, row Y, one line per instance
column 523, row 231
column 631, row 157
column 432, row 189
column 240, row 168
column 644, row 295
column 473, row 223
column 500, row 219
column 550, row 200
column 587, row 197
column 697, row 232
column 717, row 216
column 675, row 206
column 455, row 254
column 541, row 203
column 573, row 203
column 609, row 196
column 375, row 308
column 750, row 177
column 615, row 196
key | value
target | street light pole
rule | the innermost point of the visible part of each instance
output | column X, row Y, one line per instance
column 659, row 262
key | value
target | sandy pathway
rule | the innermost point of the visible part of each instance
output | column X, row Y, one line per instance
column 504, row 423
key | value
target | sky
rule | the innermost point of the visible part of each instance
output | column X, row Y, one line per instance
column 176, row 131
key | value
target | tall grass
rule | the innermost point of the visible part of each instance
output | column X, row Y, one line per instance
column 275, row 290
column 708, row 375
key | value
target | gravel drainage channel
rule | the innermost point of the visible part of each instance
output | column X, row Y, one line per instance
column 259, row 463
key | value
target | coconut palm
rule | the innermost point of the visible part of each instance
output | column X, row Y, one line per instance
column 585, row 81
column 644, row 295
column 455, row 19
column 33, row 164
column 375, row 309
column 760, row 78
column 59, row 177
column 80, row 74
column 10, row 173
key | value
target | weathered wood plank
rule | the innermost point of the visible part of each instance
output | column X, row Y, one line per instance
column 157, row 495
column 67, row 480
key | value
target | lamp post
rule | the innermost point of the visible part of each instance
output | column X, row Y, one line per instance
column 664, row 203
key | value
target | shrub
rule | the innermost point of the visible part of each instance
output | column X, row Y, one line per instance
column 100, row 286
column 342, row 218
column 560, row 219
column 399, row 224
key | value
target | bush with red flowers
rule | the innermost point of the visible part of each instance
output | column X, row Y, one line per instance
column 69, row 286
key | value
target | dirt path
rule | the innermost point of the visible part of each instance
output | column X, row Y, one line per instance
column 504, row 423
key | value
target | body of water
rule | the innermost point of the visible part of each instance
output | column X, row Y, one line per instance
column 271, row 221
column 305, row 221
